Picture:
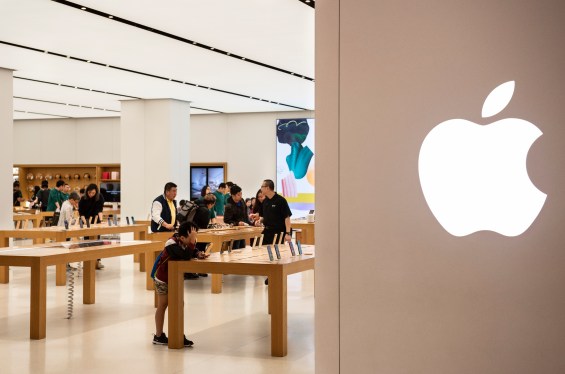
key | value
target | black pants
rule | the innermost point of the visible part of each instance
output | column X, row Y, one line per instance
column 269, row 235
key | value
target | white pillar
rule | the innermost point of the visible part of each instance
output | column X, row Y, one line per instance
column 155, row 139
column 6, row 147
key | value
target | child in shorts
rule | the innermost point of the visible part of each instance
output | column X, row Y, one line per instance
column 181, row 246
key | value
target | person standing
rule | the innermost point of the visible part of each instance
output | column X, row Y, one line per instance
column 55, row 197
column 181, row 246
column 220, row 200
column 66, row 192
column 43, row 195
column 90, row 207
column 276, row 215
column 256, row 211
column 228, row 192
column 236, row 213
column 67, row 210
column 200, row 202
column 18, row 197
column 34, row 201
column 202, row 220
column 164, row 210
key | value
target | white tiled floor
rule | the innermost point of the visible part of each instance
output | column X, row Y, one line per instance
column 231, row 331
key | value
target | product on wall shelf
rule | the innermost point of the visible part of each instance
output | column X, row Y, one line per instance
column 77, row 176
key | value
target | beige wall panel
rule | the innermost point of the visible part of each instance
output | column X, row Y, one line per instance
column 328, row 201
column 413, row 298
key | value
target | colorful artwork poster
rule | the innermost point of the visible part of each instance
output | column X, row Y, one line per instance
column 295, row 164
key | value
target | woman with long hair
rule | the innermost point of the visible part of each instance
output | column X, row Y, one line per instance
column 90, row 208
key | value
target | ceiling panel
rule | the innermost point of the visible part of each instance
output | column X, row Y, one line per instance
column 230, row 85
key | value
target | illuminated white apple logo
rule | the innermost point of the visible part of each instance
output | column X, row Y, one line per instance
column 474, row 177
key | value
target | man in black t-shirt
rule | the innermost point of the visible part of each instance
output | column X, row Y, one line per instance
column 276, row 214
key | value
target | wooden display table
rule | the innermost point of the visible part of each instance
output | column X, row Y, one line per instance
column 307, row 234
column 242, row 262
column 219, row 236
column 214, row 236
column 23, row 209
column 60, row 234
column 39, row 256
column 22, row 219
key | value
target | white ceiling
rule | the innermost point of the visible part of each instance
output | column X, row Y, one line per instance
column 277, row 33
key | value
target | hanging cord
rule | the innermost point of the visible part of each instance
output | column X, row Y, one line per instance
column 79, row 269
column 70, row 291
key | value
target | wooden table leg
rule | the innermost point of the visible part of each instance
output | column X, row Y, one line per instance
column 217, row 283
column 4, row 270
column 88, row 282
column 176, row 303
column 61, row 269
column 277, row 304
column 150, row 255
column 38, row 301
column 139, row 257
column 4, row 274
column 61, row 274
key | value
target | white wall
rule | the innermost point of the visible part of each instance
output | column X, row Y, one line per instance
column 67, row 141
column 245, row 141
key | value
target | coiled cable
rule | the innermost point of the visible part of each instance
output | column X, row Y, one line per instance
column 70, row 291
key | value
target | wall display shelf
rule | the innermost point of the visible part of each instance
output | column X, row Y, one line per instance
column 77, row 176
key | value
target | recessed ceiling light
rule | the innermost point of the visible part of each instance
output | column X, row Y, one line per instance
column 110, row 16
column 243, row 58
column 88, row 61
column 83, row 8
column 212, row 48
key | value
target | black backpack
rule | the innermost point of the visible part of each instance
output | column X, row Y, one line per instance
column 187, row 212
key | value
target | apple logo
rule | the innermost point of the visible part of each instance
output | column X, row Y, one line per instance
column 474, row 177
